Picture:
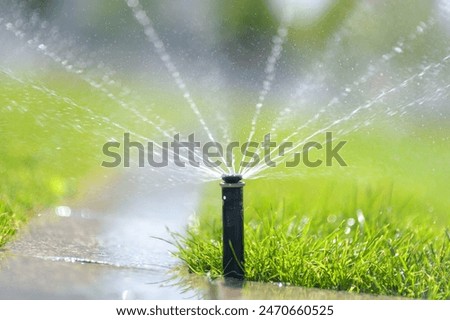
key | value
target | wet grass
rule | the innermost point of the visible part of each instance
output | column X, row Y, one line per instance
column 379, row 226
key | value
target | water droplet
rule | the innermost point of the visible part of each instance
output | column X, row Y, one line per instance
column 125, row 294
column 398, row 50
column 63, row 211
column 360, row 216
column 142, row 17
column 350, row 222
column 331, row 218
column 149, row 32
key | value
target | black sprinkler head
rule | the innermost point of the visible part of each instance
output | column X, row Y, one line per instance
column 233, row 226
column 231, row 178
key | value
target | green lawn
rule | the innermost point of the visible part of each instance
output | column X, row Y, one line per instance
column 48, row 146
column 379, row 226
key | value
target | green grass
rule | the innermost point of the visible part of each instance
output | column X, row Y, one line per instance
column 379, row 226
column 44, row 155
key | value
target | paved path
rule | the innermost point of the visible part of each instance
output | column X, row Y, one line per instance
column 101, row 249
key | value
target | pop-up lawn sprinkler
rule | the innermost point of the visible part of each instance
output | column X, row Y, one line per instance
column 233, row 226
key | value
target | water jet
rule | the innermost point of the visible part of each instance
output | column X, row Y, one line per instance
column 233, row 226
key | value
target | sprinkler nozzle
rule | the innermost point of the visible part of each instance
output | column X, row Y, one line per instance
column 231, row 178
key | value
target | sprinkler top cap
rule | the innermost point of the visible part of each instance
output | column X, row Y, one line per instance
column 231, row 178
